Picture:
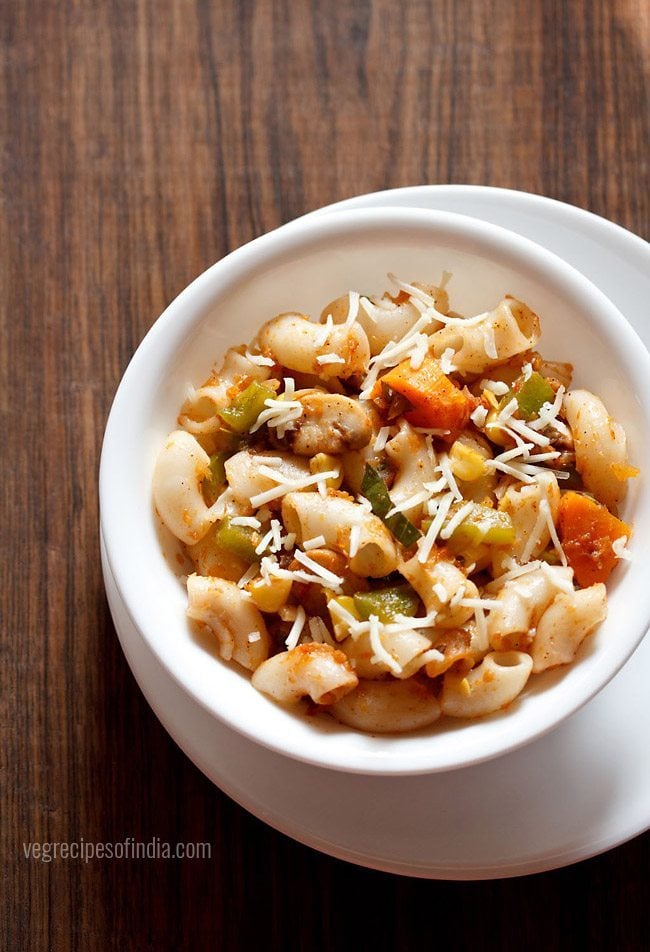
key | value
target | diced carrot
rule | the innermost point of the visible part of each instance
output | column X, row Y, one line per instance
column 436, row 400
column 587, row 530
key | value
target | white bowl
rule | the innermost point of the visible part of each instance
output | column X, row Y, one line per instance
column 300, row 267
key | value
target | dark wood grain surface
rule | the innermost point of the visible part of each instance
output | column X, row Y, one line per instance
column 140, row 141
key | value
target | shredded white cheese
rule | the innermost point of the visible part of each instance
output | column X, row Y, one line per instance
column 259, row 359
column 324, row 331
column 330, row 359
column 353, row 308
column 329, row 578
column 289, row 485
column 497, row 387
column 380, row 653
column 444, row 466
column 296, row 628
column 446, row 361
column 546, row 509
column 479, row 416
column 382, row 439
column 426, row 543
column 485, row 603
column 489, row 342
column 415, row 500
column 448, row 530
column 248, row 575
column 440, row 592
column 315, row 543
column 355, row 539
column 249, row 521
column 620, row 550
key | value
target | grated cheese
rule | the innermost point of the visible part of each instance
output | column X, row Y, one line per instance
column 458, row 596
column 426, row 544
column 482, row 603
column 489, row 342
column 253, row 637
column 355, row 539
column 415, row 500
column 455, row 521
column 320, row 632
column 515, row 571
column 248, row 575
column 289, row 541
column 259, row 359
column 440, row 592
column 497, row 387
column 444, row 466
column 340, row 613
column 264, row 542
column 249, row 521
column 620, row 550
column 353, row 308
column 381, row 440
column 324, row 331
column 314, row 543
column 286, row 486
column 535, row 536
column 296, row 628
column 327, row 577
column 446, row 364
column 546, row 509
column 524, row 430
column 330, row 359
column 479, row 416
column 549, row 411
column 481, row 626
column 380, row 653
column 391, row 355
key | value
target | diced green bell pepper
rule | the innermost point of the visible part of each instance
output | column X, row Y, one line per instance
column 215, row 481
column 387, row 603
column 484, row 525
column 240, row 540
column 246, row 407
column 375, row 490
column 531, row 395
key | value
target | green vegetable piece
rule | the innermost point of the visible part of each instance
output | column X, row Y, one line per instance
column 216, row 478
column 403, row 530
column 387, row 603
column 484, row 525
column 246, row 407
column 375, row 490
column 240, row 540
column 531, row 395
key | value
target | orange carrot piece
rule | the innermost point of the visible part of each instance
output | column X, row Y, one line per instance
column 436, row 400
column 587, row 530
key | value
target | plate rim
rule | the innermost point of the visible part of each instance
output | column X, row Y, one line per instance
column 541, row 863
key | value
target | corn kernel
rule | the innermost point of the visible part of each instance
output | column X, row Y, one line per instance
column 270, row 596
column 466, row 463
column 323, row 463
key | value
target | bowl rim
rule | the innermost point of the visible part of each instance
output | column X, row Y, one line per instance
column 184, row 311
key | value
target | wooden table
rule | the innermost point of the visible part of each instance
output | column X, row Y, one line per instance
column 141, row 141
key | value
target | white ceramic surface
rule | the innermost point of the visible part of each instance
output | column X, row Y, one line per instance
column 580, row 790
column 301, row 266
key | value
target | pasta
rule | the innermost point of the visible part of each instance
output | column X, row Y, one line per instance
column 396, row 513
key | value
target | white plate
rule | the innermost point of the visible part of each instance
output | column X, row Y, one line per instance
column 570, row 795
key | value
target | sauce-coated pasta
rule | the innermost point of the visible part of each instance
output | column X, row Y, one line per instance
column 395, row 513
